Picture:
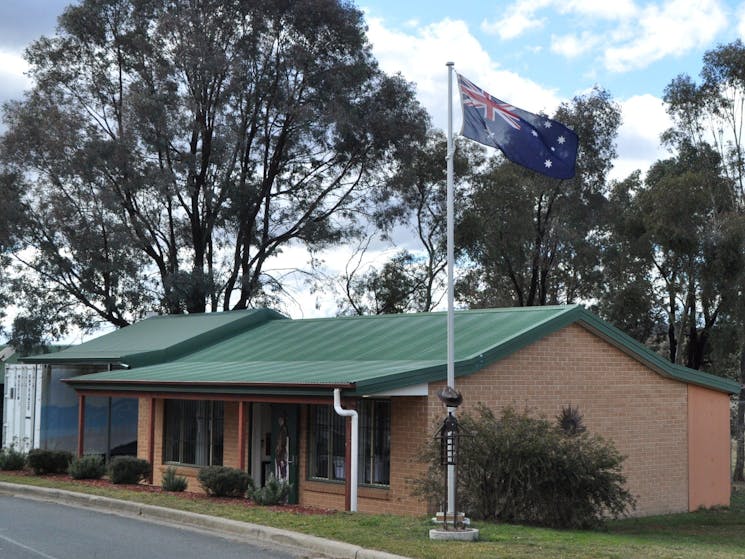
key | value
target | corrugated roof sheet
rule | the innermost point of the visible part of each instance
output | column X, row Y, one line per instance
column 372, row 353
column 161, row 338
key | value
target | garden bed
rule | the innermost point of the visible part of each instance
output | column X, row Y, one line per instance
column 194, row 496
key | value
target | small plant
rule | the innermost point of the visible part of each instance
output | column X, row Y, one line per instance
column 173, row 482
column 221, row 481
column 571, row 421
column 12, row 459
column 275, row 492
column 87, row 467
column 43, row 461
column 128, row 469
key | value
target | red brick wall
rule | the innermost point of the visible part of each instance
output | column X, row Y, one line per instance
column 643, row 413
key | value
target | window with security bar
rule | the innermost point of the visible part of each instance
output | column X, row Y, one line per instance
column 327, row 443
column 193, row 433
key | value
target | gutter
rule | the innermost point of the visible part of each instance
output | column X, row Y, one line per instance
column 355, row 445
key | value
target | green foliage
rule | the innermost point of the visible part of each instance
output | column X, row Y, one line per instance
column 173, row 482
column 128, row 469
column 519, row 469
column 12, row 459
column 87, row 467
column 43, row 461
column 222, row 481
column 275, row 492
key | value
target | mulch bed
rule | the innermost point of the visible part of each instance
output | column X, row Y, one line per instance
column 187, row 495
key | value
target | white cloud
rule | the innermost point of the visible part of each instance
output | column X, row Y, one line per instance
column 572, row 45
column 512, row 26
column 420, row 56
column 644, row 119
column 741, row 22
column 617, row 9
column 670, row 29
column 519, row 18
column 12, row 79
column 632, row 35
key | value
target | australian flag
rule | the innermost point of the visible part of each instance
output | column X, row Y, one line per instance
column 533, row 141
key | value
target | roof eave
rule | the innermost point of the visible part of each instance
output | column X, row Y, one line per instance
column 204, row 387
column 659, row 364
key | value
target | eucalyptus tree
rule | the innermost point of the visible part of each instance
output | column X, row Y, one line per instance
column 11, row 215
column 626, row 296
column 171, row 148
column 711, row 113
column 410, row 214
column 534, row 240
column 695, row 238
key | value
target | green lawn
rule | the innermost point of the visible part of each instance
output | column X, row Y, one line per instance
column 715, row 534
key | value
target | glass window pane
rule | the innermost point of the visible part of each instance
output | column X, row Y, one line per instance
column 382, row 442
column 218, row 422
column 339, row 435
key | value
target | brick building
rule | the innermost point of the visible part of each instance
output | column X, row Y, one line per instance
column 255, row 392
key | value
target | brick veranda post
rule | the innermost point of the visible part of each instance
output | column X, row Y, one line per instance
column 151, row 439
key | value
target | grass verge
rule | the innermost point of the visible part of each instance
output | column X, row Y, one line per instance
column 714, row 534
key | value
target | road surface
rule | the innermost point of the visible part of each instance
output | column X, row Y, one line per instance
column 31, row 529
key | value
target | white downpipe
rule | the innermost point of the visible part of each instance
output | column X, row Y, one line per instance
column 355, row 445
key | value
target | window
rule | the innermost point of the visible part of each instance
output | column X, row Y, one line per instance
column 327, row 431
column 193, row 432
column 375, row 442
column 326, row 438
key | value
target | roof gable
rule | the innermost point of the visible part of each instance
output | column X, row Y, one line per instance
column 160, row 338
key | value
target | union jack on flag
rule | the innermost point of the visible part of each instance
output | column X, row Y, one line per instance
column 533, row 141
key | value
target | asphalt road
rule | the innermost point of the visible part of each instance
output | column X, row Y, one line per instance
column 31, row 529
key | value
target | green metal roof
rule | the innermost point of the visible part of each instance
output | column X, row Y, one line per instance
column 160, row 338
column 370, row 354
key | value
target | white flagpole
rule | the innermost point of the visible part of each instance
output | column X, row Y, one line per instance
column 450, row 513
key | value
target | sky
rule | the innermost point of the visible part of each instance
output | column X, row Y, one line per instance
column 533, row 54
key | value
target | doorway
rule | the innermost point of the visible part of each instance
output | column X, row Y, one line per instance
column 274, row 444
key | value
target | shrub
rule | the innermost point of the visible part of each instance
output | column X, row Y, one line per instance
column 525, row 470
column 221, row 481
column 12, row 459
column 43, row 461
column 128, row 469
column 275, row 492
column 172, row 482
column 87, row 467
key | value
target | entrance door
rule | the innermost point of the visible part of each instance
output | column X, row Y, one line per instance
column 261, row 442
column 285, row 446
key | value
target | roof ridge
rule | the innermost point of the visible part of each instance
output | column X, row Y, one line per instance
column 495, row 310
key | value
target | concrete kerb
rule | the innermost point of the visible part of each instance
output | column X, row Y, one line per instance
column 244, row 531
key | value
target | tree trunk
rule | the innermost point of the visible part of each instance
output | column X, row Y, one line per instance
column 739, row 473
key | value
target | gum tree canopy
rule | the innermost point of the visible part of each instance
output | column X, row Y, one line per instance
column 170, row 147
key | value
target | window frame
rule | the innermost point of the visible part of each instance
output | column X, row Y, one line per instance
column 370, row 425
column 185, row 415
